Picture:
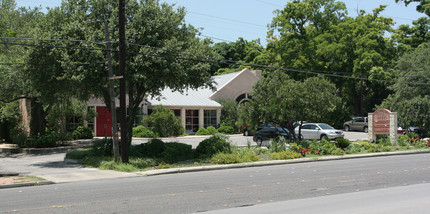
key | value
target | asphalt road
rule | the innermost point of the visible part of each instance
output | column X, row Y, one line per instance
column 323, row 182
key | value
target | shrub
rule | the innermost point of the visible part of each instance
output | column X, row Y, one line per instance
column 51, row 139
column 278, row 145
column 164, row 123
column 211, row 130
column 224, row 158
column 383, row 142
column 403, row 140
column 288, row 154
column 103, row 147
column 215, row 144
column 202, row 131
column 83, row 132
column 154, row 148
column 175, row 152
column 226, row 129
column 343, row 143
column 143, row 131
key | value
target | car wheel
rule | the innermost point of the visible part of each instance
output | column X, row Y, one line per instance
column 366, row 129
column 259, row 141
column 346, row 128
column 324, row 137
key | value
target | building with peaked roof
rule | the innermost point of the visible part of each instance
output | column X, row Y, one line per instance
column 196, row 107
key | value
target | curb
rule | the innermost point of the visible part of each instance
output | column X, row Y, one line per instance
column 274, row 162
column 80, row 144
column 39, row 183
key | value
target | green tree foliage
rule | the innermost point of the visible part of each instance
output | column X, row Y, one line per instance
column 422, row 7
column 229, row 112
column 164, row 123
column 161, row 51
column 14, row 23
column 411, row 97
column 278, row 99
column 239, row 51
column 318, row 35
column 410, row 37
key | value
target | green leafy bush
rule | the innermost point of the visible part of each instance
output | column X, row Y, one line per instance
column 211, row 130
column 175, row 152
column 225, row 158
column 288, row 154
column 403, row 140
column 226, row 129
column 102, row 147
column 343, row 143
column 202, row 131
column 154, row 148
column 143, row 131
column 278, row 145
column 83, row 132
column 51, row 139
column 164, row 123
column 215, row 144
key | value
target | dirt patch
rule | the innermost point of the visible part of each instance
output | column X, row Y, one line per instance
column 19, row 179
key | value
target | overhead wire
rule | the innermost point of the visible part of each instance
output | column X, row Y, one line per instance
column 209, row 59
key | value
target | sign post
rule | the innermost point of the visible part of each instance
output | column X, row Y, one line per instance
column 383, row 121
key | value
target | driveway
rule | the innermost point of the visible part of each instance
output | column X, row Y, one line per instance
column 238, row 139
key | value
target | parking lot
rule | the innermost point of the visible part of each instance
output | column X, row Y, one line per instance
column 238, row 139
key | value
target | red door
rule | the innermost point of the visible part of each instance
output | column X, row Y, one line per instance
column 104, row 122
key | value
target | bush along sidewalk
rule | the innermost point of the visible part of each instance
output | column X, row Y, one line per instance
column 217, row 149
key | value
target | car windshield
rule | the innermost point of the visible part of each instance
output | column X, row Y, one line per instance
column 325, row 126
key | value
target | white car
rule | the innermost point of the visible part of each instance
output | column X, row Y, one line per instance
column 318, row 131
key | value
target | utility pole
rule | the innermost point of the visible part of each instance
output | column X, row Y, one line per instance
column 122, row 86
column 112, row 95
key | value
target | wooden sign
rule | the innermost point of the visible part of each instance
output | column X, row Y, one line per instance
column 381, row 121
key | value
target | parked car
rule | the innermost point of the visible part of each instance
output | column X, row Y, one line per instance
column 400, row 130
column 270, row 132
column 417, row 130
column 356, row 124
column 318, row 131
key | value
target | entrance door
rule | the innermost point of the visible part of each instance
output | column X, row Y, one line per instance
column 103, row 122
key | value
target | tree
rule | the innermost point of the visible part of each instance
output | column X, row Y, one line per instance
column 318, row 36
column 422, row 7
column 164, row 123
column 236, row 52
column 229, row 113
column 14, row 23
column 411, row 97
column 410, row 37
column 162, row 51
column 281, row 100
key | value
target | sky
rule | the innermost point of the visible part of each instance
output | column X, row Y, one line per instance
column 227, row 20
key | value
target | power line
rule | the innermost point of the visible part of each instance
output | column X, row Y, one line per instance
column 55, row 40
column 221, row 61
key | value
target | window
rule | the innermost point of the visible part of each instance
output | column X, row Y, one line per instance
column 209, row 118
column 191, row 121
column 73, row 123
column 306, row 127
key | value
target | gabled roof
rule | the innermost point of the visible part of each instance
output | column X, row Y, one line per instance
column 192, row 97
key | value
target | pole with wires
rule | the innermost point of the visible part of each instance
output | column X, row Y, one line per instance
column 122, row 83
column 112, row 95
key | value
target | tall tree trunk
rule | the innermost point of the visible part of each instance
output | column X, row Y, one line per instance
column 38, row 118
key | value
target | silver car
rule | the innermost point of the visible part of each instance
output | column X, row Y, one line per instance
column 318, row 131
